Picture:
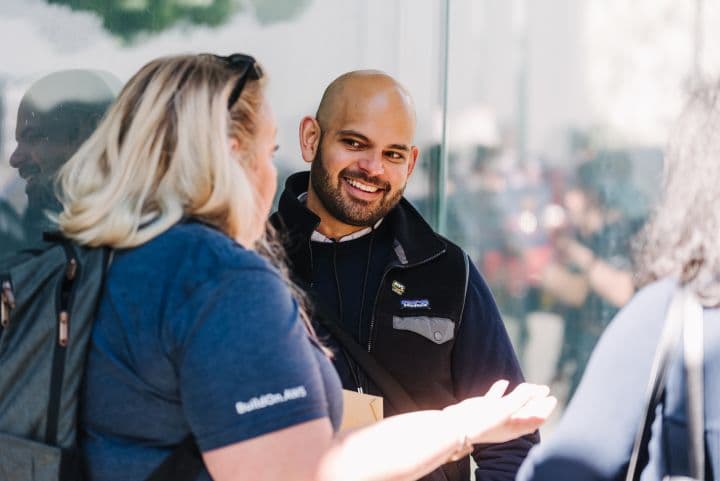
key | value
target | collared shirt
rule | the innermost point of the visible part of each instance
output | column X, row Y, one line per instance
column 319, row 237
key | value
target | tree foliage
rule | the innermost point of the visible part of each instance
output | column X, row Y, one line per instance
column 128, row 18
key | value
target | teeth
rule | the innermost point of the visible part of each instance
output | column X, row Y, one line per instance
column 361, row 186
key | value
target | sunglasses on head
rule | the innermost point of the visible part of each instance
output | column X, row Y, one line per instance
column 248, row 69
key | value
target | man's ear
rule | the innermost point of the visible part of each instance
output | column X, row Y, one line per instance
column 309, row 138
column 414, row 152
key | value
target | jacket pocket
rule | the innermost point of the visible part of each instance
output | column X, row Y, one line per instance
column 436, row 329
column 29, row 460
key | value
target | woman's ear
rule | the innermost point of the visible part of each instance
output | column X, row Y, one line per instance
column 309, row 138
column 234, row 146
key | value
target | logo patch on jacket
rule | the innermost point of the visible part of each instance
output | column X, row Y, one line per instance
column 415, row 303
column 397, row 288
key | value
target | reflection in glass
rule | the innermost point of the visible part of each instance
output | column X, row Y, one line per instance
column 56, row 115
column 591, row 273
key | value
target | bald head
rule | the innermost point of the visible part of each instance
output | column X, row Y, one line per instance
column 353, row 89
column 360, row 149
column 56, row 115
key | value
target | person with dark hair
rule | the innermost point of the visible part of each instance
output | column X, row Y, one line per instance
column 375, row 269
column 679, row 248
column 591, row 275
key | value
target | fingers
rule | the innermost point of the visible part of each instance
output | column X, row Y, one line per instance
column 536, row 409
column 523, row 394
column 497, row 390
column 531, row 416
column 497, row 418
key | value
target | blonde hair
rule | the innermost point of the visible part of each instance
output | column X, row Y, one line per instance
column 161, row 153
column 682, row 240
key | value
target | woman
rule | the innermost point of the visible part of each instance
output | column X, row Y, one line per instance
column 680, row 246
column 196, row 333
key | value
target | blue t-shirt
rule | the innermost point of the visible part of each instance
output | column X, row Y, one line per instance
column 195, row 334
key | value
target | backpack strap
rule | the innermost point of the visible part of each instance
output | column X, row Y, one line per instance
column 695, row 398
column 184, row 463
column 63, row 307
column 683, row 321
column 394, row 392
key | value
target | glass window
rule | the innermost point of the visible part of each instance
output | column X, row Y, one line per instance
column 60, row 47
column 557, row 116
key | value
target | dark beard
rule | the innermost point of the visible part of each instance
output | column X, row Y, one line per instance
column 352, row 212
column 41, row 199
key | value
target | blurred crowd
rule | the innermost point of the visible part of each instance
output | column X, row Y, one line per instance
column 551, row 237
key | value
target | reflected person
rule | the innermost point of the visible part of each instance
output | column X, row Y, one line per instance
column 592, row 275
column 56, row 115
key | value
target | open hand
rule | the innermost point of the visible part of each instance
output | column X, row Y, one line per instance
column 496, row 418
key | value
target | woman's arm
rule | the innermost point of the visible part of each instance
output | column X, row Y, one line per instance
column 399, row 448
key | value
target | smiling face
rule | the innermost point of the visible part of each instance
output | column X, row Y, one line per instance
column 43, row 147
column 361, row 154
column 56, row 115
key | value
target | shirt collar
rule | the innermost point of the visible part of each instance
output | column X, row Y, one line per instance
column 318, row 237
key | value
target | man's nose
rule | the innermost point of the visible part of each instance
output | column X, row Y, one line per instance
column 18, row 157
column 372, row 163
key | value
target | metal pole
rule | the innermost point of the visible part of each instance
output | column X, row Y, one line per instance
column 2, row 118
column 442, row 173
column 520, row 28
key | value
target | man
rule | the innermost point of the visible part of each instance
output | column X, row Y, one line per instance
column 56, row 115
column 369, row 261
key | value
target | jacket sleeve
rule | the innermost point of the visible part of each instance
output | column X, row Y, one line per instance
column 483, row 354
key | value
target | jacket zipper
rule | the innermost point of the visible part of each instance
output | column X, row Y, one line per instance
column 8, row 304
column 351, row 365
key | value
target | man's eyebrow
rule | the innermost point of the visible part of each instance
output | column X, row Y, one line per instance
column 360, row 136
column 27, row 130
column 399, row 147
column 354, row 133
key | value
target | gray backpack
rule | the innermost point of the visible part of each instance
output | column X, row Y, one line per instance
column 48, row 301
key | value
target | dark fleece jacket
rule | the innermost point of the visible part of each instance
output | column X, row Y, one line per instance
column 439, row 333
